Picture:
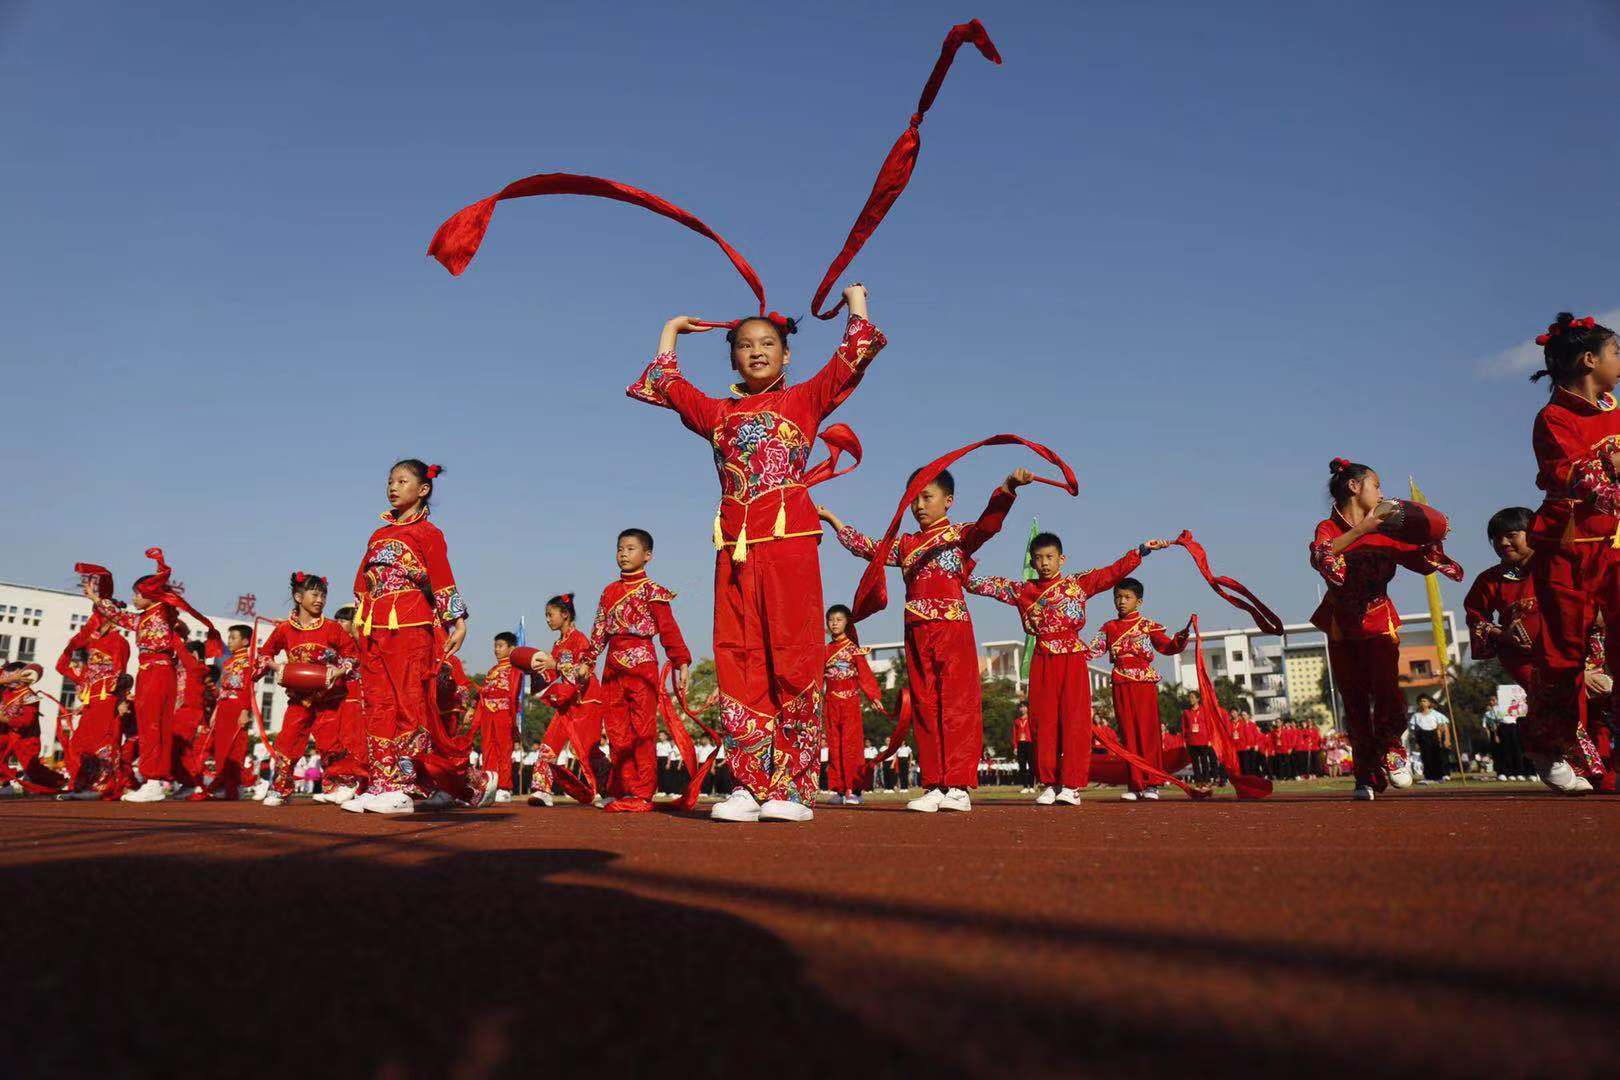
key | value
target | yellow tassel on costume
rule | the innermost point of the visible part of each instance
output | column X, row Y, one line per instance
column 781, row 519
column 393, row 617
column 740, row 552
column 719, row 533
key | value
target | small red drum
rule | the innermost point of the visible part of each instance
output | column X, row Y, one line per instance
column 305, row 678
column 1415, row 523
column 523, row 657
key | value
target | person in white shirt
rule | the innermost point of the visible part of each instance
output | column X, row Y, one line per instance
column 1428, row 724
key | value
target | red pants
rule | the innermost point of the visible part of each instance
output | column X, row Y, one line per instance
column 230, row 748
column 154, row 720
column 397, row 696
column 581, row 718
column 942, row 661
column 1060, row 712
column 304, row 718
column 769, row 660
column 1574, row 583
column 630, row 714
column 352, row 734
column 189, row 739
column 495, row 736
column 846, row 743
column 1366, row 671
column 35, row 777
column 1136, row 707
column 94, row 749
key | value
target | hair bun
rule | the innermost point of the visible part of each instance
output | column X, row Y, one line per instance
column 1338, row 465
column 433, row 471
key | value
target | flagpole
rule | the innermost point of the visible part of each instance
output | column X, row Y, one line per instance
column 1437, row 620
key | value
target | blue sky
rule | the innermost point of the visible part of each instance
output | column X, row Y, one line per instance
column 1201, row 249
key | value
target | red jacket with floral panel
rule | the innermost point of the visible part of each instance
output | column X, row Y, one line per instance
column 499, row 693
column 762, row 442
column 1056, row 609
column 1357, row 604
column 848, row 675
column 574, row 677
column 236, row 679
column 1131, row 643
column 19, row 711
column 405, row 578
column 1573, row 439
column 1502, row 616
column 106, row 655
column 937, row 562
column 324, row 642
column 155, row 639
column 632, row 611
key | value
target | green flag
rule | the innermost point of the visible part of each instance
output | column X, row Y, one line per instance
column 1029, row 575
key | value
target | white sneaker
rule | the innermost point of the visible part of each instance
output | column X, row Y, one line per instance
column 956, row 799
column 738, row 806
column 439, row 800
column 1068, row 797
column 540, row 798
column 261, row 789
column 1562, row 778
column 1363, row 794
column 1127, row 796
column 151, row 791
column 1026, row 791
column 503, row 795
column 1151, row 794
column 835, row 799
column 338, row 795
column 385, row 802
column 273, row 799
column 783, row 810
column 1400, row 772
column 492, row 788
column 929, row 803
column 852, row 799
column 1047, row 797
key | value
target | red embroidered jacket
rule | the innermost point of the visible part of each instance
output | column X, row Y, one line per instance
column 1501, row 612
column 324, row 642
column 847, row 673
column 19, row 711
column 155, row 640
column 1131, row 642
column 574, row 677
column 762, row 442
column 1357, row 603
column 1573, row 439
column 500, row 691
column 938, row 561
column 236, row 679
column 191, row 680
column 106, row 656
column 631, row 612
column 405, row 578
column 1056, row 609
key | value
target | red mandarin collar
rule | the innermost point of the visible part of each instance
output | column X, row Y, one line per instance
column 389, row 518
column 1575, row 403
column 633, row 576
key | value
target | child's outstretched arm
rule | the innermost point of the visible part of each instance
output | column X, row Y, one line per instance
column 661, row 382
column 1168, row 645
column 974, row 536
column 839, row 376
column 855, row 542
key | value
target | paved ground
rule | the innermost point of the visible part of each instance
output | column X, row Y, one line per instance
column 1448, row 931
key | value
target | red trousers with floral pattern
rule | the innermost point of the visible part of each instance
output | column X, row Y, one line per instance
column 846, row 742
column 93, row 754
column 1060, row 715
column 581, row 718
column 397, row 676
column 942, row 662
column 1366, row 672
column 1574, row 583
column 1136, row 707
column 303, row 719
column 769, row 660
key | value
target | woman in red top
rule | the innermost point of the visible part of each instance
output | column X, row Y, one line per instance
column 1362, row 628
column 767, row 571
column 308, row 637
column 406, row 601
column 1575, row 533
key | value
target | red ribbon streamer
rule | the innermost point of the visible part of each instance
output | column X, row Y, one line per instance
column 1219, row 725
column 840, row 439
column 1231, row 590
column 683, row 740
column 872, row 594
column 159, row 589
column 895, row 173
column 902, row 717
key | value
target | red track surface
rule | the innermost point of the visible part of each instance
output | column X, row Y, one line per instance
column 1445, row 933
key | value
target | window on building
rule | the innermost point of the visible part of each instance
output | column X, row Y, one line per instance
column 1237, row 656
column 1422, row 667
column 1242, row 679
column 25, row 650
column 265, row 702
column 69, row 694
column 5, row 646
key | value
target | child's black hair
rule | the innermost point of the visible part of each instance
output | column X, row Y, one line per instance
column 1046, row 540
column 1341, row 473
column 1512, row 519
column 944, row 481
column 344, row 613
column 641, row 535
column 15, row 665
column 423, row 471
column 840, row 609
column 1425, row 697
column 1565, row 342
column 508, row 637
column 300, row 580
column 785, row 328
column 564, row 602
column 241, row 628
column 1130, row 584
column 143, row 579
column 195, row 648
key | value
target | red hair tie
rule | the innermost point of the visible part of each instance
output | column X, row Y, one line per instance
column 1338, row 464
column 433, row 471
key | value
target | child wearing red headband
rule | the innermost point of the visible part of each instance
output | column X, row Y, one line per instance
column 1358, row 561
column 410, row 615
column 1575, row 534
column 308, row 637
column 499, row 704
column 567, row 676
column 942, row 657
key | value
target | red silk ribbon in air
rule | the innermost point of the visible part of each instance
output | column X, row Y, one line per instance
column 458, row 239
column 157, row 587
column 1231, row 590
column 840, row 439
column 902, row 717
column 1219, row 726
column 872, row 594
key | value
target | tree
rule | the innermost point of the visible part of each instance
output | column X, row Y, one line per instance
column 1000, row 700
column 874, row 724
column 1473, row 689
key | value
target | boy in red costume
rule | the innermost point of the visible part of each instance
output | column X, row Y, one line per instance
column 19, row 731
column 567, row 677
column 1053, row 609
column 499, row 698
column 942, row 657
column 1130, row 642
column 229, row 739
column 154, row 621
column 94, row 750
column 307, row 637
column 847, row 676
column 632, row 611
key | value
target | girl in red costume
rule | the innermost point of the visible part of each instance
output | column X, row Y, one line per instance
column 1575, row 534
column 406, row 603
column 767, row 571
column 308, row 637
column 93, row 753
column 19, row 731
column 1362, row 628
column 848, row 676
column 567, row 675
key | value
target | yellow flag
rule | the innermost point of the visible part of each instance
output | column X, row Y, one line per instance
column 1436, row 609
